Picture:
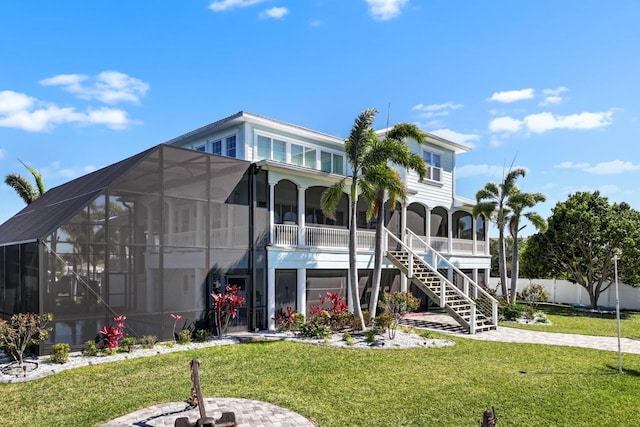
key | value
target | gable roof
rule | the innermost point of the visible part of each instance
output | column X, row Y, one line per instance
column 60, row 203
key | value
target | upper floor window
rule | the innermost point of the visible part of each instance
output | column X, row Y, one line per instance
column 231, row 146
column 303, row 156
column 225, row 146
column 434, row 163
column 273, row 149
column 202, row 148
column 331, row 162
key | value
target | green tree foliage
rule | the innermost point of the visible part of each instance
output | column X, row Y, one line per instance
column 23, row 187
column 584, row 234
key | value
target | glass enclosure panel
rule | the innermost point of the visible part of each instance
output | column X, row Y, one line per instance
column 310, row 158
column 338, row 163
column 416, row 219
column 264, row 147
column 297, row 155
column 286, row 289
column 319, row 282
column 143, row 178
column 185, row 174
column 462, row 225
column 229, row 180
column 286, row 203
column 279, row 151
column 185, row 222
column 134, row 219
column 13, row 301
column 325, row 161
column 439, row 227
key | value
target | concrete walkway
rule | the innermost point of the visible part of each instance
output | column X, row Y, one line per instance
column 445, row 324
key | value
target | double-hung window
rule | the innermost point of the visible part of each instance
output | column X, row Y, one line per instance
column 272, row 149
column 331, row 162
column 303, row 156
column 434, row 162
column 225, row 146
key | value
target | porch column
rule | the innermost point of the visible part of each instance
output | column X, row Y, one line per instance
column 474, row 277
column 271, row 299
column 449, row 232
column 474, row 224
column 302, row 291
column 301, row 215
column 272, row 206
column 487, row 276
column 427, row 225
column 403, row 238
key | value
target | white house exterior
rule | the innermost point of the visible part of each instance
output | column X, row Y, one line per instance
column 306, row 253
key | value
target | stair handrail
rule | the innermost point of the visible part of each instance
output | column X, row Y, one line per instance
column 476, row 287
column 447, row 282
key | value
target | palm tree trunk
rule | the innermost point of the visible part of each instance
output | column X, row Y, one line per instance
column 353, row 270
column 502, row 262
column 377, row 264
column 515, row 267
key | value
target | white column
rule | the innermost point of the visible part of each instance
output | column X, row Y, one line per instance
column 450, row 232
column 302, row 292
column 474, row 277
column 487, row 276
column 301, row 215
column 271, row 298
column 474, row 234
column 427, row 225
column 272, row 206
column 403, row 236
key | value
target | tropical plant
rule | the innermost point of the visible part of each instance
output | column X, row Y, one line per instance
column 492, row 202
column 175, row 318
column 111, row 335
column 534, row 294
column 586, row 237
column 60, row 353
column 22, row 331
column 381, row 180
column 397, row 305
column 225, row 307
column 23, row 187
column 518, row 202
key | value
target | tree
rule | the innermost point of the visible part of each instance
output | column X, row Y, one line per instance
column 492, row 202
column 382, row 179
column 23, row 187
column 518, row 202
column 583, row 236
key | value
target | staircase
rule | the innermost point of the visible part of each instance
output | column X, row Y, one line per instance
column 470, row 305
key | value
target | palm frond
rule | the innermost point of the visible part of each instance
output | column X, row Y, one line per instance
column 400, row 131
column 37, row 177
column 331, row 197
column 22, row 187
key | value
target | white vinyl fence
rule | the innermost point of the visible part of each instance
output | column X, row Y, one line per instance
column 563, row 291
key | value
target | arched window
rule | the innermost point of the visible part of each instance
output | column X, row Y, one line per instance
column 462, row 225
column 286, row 203
column 415, row 218
column 439, row 225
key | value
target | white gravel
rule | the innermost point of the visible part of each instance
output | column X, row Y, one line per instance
column 41, row 367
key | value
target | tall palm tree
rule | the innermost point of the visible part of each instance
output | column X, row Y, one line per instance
column 518, row 202
column 23, row 187
column 381, row 179
column 492, row 202
column 357, row 151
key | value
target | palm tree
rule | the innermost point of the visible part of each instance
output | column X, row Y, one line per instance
column 381, row 179
column 518, row 202
column 357, row 151
column 23, row 187
column 492, row 202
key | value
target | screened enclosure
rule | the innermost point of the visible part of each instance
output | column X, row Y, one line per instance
column 147, row 237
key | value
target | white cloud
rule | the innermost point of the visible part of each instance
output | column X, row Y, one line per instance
column 461, row 138
column 20, row 111
column 75, row 172
column 3, row 154
column 222, row 5
column 315, row 23
column 543, row 122
column 384, row 10
column 275, row 13
column 491, row 171
column 552, row 96
column 512, row 95
column 109, row 87
column 613, row 167
column 505, row 124
column 571, row 165
column 435, row 110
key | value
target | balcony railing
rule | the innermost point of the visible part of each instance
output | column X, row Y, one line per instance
column 338, row 238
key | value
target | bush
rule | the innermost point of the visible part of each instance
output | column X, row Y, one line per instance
column 60, row 353
column 382, row 321
column 23, row 331
column 396, row 305
column 315, row 330
column 201, row 335
column 184, row 337
column 288, row 320
column 148, row 341
column 534, row 294
column 346, row 337
column 371, row 336
column 90, row 349
column 128, row 344
column 511, row 311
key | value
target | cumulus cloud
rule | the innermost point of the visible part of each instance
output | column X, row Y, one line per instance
column 612, row 168
column 491, row 171
column 222, row 5
column 505, row 124
column 384, row 10
column 512, row 95
column 435, row 110
column 274, row 13
column 552, row 96
column 461, row 138
column 543, row 122
column 571, row 165
column 110, row 87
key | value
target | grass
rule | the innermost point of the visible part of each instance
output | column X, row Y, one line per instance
column 528, row 384
column 565, row 319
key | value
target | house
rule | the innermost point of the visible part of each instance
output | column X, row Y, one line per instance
column 234, row 202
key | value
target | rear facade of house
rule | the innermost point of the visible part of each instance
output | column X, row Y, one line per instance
column 236, row 202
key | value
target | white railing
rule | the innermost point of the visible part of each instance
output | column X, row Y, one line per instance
column 322, row 237
column 366, row 240
column 488, row 305
column 285, row 235
column 326, row 237
column 462, row 246
column 440, row 244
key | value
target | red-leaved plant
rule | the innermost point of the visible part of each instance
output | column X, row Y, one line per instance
column 175, row 318
column 112, row 334
column 336, row 315
column 225, row 307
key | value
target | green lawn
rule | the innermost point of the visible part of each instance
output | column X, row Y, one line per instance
column 530, row 385
column 565, row 319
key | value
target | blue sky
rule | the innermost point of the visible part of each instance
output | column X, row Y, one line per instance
column 551, row 86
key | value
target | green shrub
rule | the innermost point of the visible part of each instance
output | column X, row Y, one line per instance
column 511, row 311
column 90, row 349
column 382, row 321
column 371, row 336
column 315, row 330
column 128, row 344
column 534, row 294
column 184, row 337
column 288, row 320
column 148, row 341
column 201, row 335
column 60, row 353
column 346, row 337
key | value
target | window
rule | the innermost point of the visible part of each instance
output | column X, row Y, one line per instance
column 216, row 147
column 231, row 146
column 201, row 148
column 272, row 149
column 226, row 146
column 330, row 162
column 303, row 156
column 433, row 161
column 279, row 150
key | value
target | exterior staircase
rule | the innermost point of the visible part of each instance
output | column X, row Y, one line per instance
column 470, row 305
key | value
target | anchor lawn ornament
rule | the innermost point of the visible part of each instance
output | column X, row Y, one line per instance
column 228, row 419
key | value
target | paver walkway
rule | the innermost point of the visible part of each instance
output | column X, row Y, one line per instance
column 445, row 324
column 248, row 413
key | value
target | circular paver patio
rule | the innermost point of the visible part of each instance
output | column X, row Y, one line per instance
column 249, row 413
